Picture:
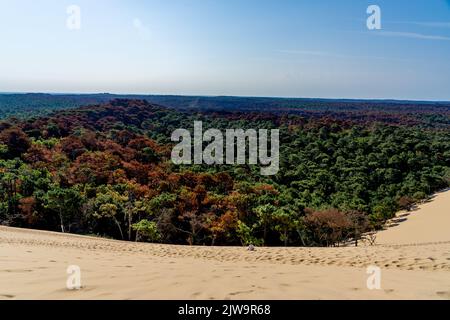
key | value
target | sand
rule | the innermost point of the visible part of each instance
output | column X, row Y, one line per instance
column 428, row 223
column 414, row 258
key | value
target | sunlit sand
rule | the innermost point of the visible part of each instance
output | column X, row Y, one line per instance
column 414, row 258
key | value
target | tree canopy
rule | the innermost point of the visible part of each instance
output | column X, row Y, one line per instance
column 106, row 170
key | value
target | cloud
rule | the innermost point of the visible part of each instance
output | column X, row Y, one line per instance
column 331, row 55
column 410, row 35
column 432, row 24
column 305, row 52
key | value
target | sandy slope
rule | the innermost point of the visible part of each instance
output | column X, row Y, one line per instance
column 33, row 266
column 430, row 222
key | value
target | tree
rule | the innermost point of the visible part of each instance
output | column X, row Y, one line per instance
column 285, row 221
column 384, row 210
column 109, row 205
column 245, row 234
column 223, row 226
column 66, row 202
column 16, row 141
column 147, row 230
column 3, row 150
column 358, row 225
column 327, row 227
column 9, row 185
column 72, row 147
column 28, row 206
column 265, row 216
column 405, row 203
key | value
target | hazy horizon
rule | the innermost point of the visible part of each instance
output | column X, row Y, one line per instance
column 217, row 96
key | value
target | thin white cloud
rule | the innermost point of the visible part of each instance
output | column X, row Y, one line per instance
column 333, row 55
column 305, row 52
column 432, row 24
column 411, row 35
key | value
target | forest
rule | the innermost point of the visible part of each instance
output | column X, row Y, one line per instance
column 104, row 169
column 417, row 113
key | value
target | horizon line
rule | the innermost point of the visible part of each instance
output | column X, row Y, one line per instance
column 221, row 96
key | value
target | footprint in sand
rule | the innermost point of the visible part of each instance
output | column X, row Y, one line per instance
column 18, row 271
column 241, row 292
column 444, row 294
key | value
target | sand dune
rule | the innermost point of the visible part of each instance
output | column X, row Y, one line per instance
column 33, row 265
column 429, row 223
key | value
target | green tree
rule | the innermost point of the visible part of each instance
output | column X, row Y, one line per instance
column 147, row 230
column 65, row 202
column 245, row 234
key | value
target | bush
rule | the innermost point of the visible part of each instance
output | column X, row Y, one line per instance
column 245, row 234
column 147, row 231
column 328, row 227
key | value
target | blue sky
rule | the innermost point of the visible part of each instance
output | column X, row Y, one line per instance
column 288, row 48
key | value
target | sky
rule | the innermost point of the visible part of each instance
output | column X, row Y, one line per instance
column 281, row 48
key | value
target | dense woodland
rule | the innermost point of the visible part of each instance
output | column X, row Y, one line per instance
column 105, row 170
column 417, row 113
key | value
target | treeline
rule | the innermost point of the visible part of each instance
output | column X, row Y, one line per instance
column 105, row 170
column 30, row 105
column 413, row 113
